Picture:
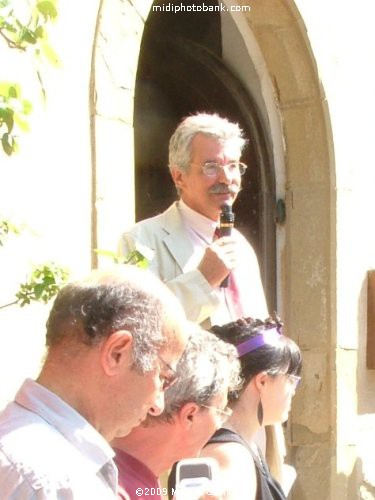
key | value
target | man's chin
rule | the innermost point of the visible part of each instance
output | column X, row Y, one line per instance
column 225, row 198
column 133, row 425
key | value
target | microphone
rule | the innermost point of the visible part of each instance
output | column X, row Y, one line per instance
column 225, row 228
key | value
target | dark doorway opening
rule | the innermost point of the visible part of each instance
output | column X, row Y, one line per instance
column 181, row 71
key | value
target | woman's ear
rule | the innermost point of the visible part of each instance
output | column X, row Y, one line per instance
column 116, row 351
column 260, row 380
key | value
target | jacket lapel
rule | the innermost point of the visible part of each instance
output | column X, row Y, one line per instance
column 177, row 240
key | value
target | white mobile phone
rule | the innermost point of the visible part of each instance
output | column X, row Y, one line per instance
column 194, row 477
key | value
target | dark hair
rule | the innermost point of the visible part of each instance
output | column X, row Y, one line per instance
column 282, row 355
column 91, row 312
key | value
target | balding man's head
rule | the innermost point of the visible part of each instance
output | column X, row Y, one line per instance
column 113, row 340
column 122, row 298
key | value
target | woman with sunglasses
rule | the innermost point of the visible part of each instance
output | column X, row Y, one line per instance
column 270, row 367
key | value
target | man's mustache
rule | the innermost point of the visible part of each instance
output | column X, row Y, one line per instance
column 221, row 188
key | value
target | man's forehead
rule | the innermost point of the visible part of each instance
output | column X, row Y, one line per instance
column 230, row 147
column 176, row 334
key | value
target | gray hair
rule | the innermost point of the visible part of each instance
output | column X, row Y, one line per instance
column 206, row 366
column 210, row 125
column 91, row 311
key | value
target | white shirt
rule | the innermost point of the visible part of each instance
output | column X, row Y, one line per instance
column 49, row 451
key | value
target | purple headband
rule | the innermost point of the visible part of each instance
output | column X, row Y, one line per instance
column 262, row 338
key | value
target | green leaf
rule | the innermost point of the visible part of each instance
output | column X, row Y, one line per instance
column 134, row 257
column 137, row 259
column 39, row 32
column 26, row 31
column 47, row 9
column 38, row 290
column 6, row 228
column 7, row 117
column 26, row 35
column 9, row 90
column 106, row 253
column 43, row 284
column 15, row 146
column 9, row 28
column 49, row 54
column 13, row 91
column 27, row 107
column 7, row 142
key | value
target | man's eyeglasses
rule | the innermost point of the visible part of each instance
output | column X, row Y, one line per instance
column 223, row 414
column 294, row 380
column 171, row 378
column 213, row 169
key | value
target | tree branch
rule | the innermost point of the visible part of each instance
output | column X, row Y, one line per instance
column 10, row 304
column 11, row 43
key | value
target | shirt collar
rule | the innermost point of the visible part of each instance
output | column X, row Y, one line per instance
column 133, row 466
column 200, row 224
column 76, row 429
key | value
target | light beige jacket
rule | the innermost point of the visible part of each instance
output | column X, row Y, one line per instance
column 164, row 241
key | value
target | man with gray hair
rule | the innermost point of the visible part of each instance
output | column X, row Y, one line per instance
column 195, row 407
column 113, row 342
column 182, row 244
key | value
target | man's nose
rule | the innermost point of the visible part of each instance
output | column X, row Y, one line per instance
column 225, row 176
column 158, row 406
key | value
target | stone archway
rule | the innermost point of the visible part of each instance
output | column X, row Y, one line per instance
column 179, row 74
column 307, row 280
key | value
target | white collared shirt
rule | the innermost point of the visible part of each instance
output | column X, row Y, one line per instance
column 201, row 232
column 200, row 227
column 49, row 451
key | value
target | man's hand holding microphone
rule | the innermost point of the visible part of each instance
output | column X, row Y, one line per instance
column 220, row 258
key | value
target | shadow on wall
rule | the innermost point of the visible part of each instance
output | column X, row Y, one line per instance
column 365, row 376
column 347, row 487
column 366, row 491
column 354, row 486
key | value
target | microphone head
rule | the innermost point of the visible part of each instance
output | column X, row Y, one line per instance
column 226, row 208
column 226, row 217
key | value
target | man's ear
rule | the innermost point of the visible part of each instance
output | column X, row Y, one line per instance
column 187, row 414
column 116, row 351
column 178, row 177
